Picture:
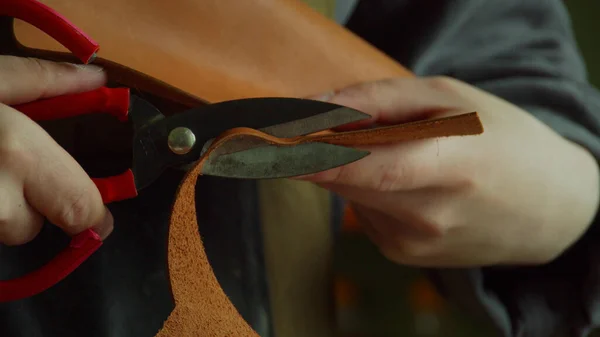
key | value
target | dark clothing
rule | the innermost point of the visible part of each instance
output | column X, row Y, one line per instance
column 523, row 51
column 520, row 50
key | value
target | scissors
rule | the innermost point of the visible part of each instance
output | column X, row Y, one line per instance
column 161, row 142
column 254, row 138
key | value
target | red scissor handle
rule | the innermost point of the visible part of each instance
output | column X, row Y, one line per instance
column 115, row 188
column 113, row 101
column 80, row 248
column 52, row 23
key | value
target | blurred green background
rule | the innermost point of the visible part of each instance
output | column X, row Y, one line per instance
column 584, row 15
column 381, row 299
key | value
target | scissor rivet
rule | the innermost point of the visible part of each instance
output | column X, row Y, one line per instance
column 181, row 140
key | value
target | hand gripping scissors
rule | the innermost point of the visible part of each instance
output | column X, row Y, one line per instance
column 160, row 142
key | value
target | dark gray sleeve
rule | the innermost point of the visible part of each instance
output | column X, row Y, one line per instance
column 523, row 51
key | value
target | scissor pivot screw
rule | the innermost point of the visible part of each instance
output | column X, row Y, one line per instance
column 181, row 140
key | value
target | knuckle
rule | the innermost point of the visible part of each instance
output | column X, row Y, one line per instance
column 15, row 238
column 372, row 89
column 5, row 221
column 4, row 91
column 340, row 175
column 395, row 176
column 443, row 83
column 76, row 211
column 13, row 232
column 9, row 239
column 367, row 91
column 37, row 66
column 415, row 249
column 41, row 71
column 436, row 217
column 14, row 153
column 6, row 214
column 390, row 177
column 466, row 182
column 407, row 251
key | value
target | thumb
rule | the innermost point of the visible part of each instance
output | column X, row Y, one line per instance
column 400, row 166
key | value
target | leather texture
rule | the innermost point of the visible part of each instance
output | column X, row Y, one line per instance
column 195, row 51
column 459, row 125
column 224, row 49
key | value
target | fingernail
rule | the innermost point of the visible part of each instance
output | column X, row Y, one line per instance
column 105, row 227
column 324, row 97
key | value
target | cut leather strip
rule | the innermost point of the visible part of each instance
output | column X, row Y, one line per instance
column 202, row 309
column 459, row 125
column 201, row 306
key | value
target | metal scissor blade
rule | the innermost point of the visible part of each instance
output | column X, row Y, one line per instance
column 323, row 121
column 274, row 161
column 142, row 113
column 300, row 127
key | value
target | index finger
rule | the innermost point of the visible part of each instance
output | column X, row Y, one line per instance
column 28, row 79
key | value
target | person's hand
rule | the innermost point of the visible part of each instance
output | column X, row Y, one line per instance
column 38, row 179
column 517, row 194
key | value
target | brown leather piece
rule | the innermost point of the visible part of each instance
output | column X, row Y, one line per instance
column 223, row 49
column 459, row 125
column 202, row 309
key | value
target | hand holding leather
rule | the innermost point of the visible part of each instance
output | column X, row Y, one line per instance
column 517, row 194
column 37, row 177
